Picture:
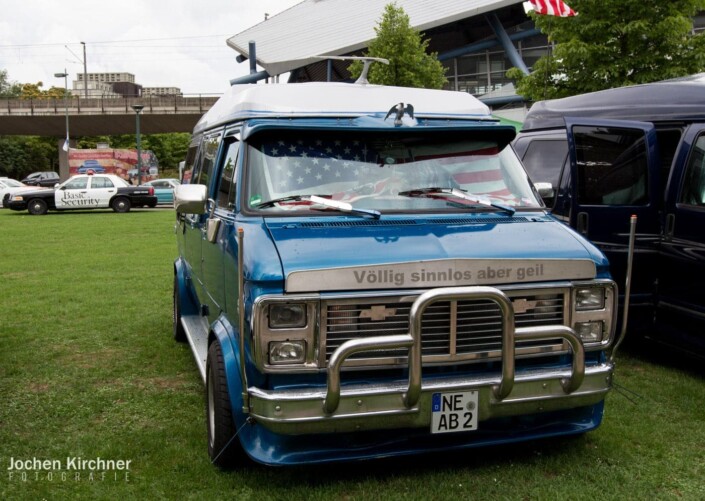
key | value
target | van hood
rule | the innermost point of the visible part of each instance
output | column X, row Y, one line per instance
column 405, row 252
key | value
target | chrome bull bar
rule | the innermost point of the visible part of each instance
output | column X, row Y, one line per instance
column 412, row 341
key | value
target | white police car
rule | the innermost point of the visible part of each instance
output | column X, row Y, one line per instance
column 89, row 191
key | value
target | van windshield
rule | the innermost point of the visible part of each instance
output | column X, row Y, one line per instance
column 387, row 172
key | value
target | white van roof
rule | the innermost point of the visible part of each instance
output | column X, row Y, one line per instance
column 334, row 99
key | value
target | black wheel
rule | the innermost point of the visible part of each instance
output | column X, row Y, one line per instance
column 121, row 204
column 179, row 333
column 223, row 451
column 37, row 207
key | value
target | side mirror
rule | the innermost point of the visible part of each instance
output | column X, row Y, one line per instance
column 545, row 190
column 190, row 199
column 56, row 186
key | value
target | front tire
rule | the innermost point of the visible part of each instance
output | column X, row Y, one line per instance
column 37, row 207
column 219, row 413
column 121, row 204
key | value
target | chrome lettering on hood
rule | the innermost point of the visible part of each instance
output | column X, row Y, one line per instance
column 441, row 273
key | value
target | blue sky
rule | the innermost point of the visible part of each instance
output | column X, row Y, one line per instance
column 164, row 43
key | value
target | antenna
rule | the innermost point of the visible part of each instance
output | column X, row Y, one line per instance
column 366, row 61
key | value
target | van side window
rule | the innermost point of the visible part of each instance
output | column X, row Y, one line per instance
column 544, row 160
column 226, row 191
column 208, row 157
column 612, row 166
column 189, row 163
column 693, row 189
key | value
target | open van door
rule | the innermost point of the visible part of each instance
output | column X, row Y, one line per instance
column 615, row 174
column 681, row 306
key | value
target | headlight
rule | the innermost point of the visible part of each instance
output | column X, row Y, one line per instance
column 590, row 332
column 593, row 316
column 287, row 316
column 284, row 333
column 17, row 198
column 590, row 298
column 287, row 352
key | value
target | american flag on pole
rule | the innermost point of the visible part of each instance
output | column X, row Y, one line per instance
column 550, row 8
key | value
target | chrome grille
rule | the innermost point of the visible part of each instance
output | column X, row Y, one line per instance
column 451, row 330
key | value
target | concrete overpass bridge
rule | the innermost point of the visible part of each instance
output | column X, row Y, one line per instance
column 101, row 116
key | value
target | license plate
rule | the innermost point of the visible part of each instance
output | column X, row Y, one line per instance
column 452, row 412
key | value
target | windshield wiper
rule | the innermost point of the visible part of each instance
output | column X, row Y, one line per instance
column 432, row 192
column 326, row 202
column 273, row 202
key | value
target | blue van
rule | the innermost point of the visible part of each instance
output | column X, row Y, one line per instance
column 366, row 271
column 637, row 150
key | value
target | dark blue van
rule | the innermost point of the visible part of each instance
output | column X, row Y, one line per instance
column 640, row 150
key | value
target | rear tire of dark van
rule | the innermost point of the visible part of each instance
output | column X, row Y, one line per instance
column 224, row 448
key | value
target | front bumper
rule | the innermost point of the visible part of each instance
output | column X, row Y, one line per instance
column 407, row 404
column 18, row 205
column 372, row 407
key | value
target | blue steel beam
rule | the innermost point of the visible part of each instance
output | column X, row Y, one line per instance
column 509, row 49
column 252, row 78
column 485, row 44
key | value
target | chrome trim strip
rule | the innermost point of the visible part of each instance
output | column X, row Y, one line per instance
column 681, row 309
column 439, row 273
column 241, row 319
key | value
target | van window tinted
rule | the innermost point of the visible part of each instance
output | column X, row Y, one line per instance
column 544, row 160
column 693, row 191
column 611, row 165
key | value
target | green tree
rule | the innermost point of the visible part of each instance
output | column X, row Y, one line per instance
column 35, row 91
column 21, row 155
column 613, row 44
column 8, row 89
column 409, row 63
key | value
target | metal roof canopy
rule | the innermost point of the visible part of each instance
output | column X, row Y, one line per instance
column 287, row 40
column 680, row 99
column 334, row 100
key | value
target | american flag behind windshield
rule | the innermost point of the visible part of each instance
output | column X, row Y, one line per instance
column 351, row 169
column 299, row 165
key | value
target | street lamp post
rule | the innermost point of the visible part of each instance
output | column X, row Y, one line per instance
column 85, row 72
column 65, row 76
column 138, row 109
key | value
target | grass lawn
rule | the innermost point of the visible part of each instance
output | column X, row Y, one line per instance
column 88, row 369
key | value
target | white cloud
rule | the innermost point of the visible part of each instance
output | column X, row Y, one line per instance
column 173, row 43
